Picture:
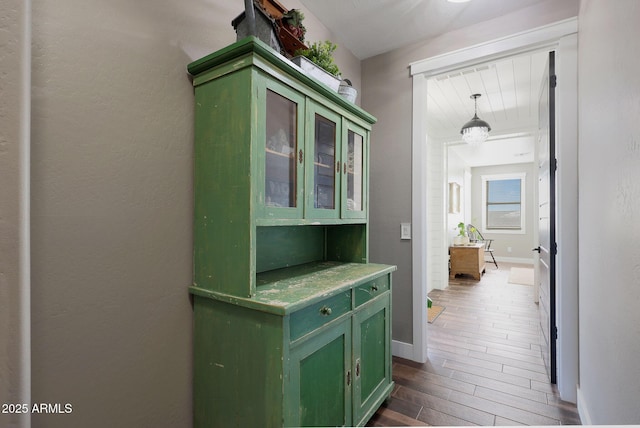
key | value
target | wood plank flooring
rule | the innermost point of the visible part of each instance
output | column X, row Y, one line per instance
column 485, row 366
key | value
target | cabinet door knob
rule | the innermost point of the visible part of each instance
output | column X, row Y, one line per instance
column 348, row 377
column 338, row 167
column 325, row 310
column 344, row 168
column 374, row 288
column 300, row 155
column 358, row 368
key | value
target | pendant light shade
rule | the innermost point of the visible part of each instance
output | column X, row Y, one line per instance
column 475, row 131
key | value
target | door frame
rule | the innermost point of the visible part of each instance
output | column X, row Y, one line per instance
column 561, row 37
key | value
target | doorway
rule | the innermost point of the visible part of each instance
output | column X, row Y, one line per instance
column 429, row 188
column 509, row 95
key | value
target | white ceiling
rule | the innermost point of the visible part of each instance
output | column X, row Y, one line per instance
column 509, row 103
column 509, row 87
column 509, row 92
column 372, row 27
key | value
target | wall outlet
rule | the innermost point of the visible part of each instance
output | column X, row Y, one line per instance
column 405, row 230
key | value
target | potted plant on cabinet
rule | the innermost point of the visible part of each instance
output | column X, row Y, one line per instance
column 317, row 60
column 291, row 32
column 292, row 21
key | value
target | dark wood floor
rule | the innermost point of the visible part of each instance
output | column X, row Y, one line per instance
column 484, row 366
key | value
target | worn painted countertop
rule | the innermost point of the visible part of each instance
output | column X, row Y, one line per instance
column 283, row 291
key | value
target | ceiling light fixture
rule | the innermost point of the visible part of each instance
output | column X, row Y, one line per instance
column 475, row 131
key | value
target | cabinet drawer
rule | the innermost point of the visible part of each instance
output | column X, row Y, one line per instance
column 369, row 290
column 308, row 319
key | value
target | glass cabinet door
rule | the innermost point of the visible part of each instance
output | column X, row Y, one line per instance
column 324, row 175
column 324, row 178
column 354, row 172
column 283, row 133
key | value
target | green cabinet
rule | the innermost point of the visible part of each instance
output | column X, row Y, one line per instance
column 291, row 321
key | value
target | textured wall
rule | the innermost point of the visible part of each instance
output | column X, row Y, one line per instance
column 14, row 224
column 609, row 155
column 112, row 200
column 111, row 208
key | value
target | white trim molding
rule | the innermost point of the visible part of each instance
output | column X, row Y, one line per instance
column 418, row 217
column 567, row 213
column 525, row 41
column 402, row 350
column 561, row 36
column 518, row 260
column 583, row 410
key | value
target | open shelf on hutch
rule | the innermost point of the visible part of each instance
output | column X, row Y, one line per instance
column 284, row 246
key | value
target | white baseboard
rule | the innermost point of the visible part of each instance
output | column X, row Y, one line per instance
column 402, row 349
column 522, row 260
column 583, row 410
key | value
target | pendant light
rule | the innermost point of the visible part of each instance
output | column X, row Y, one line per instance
column 475, row 131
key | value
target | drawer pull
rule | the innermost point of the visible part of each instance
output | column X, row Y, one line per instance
column 374, row 288
column 325, row 310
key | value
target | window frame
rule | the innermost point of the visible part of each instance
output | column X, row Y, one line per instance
column 522, row 176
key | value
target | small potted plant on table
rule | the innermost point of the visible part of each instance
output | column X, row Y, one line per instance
column 462, row 238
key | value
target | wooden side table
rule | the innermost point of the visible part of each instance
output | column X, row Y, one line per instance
column 467, row 259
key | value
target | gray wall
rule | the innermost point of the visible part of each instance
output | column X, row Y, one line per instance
column 14, row 209
column 112, row 136
column 387, row 94
column 520, row 244
column 609, row 204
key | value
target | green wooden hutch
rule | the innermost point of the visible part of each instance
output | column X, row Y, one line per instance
column 292, row 324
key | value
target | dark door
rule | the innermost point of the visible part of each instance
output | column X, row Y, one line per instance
column 547, row 224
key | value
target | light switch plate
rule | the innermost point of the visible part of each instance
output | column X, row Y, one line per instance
column 405, row 230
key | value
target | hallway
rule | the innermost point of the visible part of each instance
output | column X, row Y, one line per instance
column 484, row 365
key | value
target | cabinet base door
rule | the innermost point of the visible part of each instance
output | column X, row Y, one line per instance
column 372, row 358
column 321, row 380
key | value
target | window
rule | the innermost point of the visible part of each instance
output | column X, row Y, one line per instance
column 503, row 203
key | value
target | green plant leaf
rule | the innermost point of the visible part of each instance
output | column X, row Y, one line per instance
column 321, row 54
